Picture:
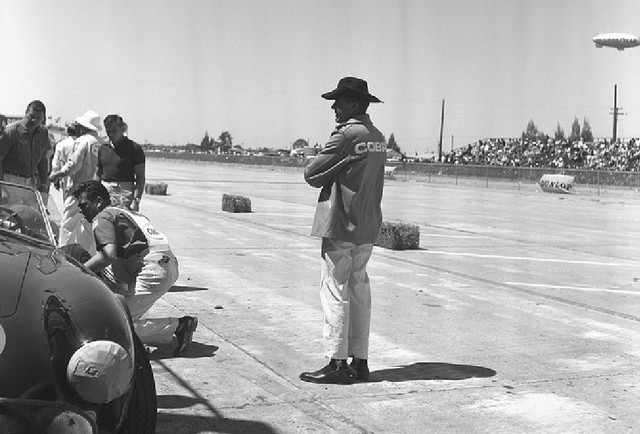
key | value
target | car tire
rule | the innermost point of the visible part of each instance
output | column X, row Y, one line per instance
column 142, row 412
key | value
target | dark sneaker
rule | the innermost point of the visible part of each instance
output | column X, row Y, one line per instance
column 359, row 369
column 336, row 372
column 186, row 326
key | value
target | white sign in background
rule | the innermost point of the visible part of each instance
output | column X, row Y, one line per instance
column 556, row 183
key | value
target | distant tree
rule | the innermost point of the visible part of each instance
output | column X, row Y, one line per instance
column 532, row 133
column 391, row 144
column 207, row 142
column 575, row 131
column 586, row 135
column 300, row 143
column 225, row 141
column 559, row 135
column 192, row 147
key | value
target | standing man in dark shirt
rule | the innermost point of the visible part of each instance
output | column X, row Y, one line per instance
column 121, row 165
column 25, row 149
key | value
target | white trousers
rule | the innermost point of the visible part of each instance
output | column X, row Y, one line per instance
column 345, row 295
column 159, row 273
column 73, row 226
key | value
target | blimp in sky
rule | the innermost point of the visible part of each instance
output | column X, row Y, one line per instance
column 616, row 40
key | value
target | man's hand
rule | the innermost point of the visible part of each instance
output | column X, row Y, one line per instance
column 55, row 176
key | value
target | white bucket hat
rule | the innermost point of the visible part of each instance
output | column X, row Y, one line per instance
column 90, row 120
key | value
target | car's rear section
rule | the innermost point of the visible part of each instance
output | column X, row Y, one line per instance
column 67, row 351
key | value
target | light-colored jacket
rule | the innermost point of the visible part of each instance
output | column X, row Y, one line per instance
column 64, row 149
column 350, row 170
column 81, row 165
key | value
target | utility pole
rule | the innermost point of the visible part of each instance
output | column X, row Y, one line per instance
column 616, row 113
column 441, row 128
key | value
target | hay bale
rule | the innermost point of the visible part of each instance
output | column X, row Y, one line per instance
column 398, row 236
column 157, row 189
column 234, row 203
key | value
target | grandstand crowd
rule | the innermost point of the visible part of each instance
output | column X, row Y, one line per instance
column 622, row 155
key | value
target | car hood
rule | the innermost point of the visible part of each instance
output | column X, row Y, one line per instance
column 14, row 258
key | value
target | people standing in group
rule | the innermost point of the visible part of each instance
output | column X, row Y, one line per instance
column 348, row 217
column 25, row 150
column 135, row 260
column 121, row 164
column 80, row 166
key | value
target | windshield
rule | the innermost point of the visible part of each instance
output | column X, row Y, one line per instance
column 22, row 211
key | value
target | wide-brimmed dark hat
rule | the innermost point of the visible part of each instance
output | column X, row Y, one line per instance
column 352, row 86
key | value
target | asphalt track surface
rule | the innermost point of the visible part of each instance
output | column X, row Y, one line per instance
column 519, row 313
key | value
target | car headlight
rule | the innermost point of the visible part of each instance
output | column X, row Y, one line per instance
column 100, row 371
column 29, row 416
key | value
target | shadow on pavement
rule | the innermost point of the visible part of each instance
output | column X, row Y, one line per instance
column 430, row 371
column 183, row 288
column 185, row 424
column 196, row 350
column 172, row 423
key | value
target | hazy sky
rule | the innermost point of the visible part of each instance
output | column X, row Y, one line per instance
column 256, row 68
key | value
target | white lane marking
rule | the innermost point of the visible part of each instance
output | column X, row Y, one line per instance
column 287, row 214
column 576, row 288
column 526, row 258
column 289, row 226
column 3, row 339
column 453, row 236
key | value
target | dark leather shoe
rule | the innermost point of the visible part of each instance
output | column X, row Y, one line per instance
column 336, row 372
column 359, row 369
column 186, row 326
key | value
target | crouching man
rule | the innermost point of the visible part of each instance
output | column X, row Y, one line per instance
column 135, row 260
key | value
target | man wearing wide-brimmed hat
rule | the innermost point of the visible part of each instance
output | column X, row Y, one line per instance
column 350, row 171
column 80, row 167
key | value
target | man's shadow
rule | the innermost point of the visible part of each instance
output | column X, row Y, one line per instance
column 185, row 422
column 196, row 350
column 185, row 288
column 430, row 371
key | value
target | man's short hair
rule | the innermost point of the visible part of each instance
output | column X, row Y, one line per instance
column 72, row 130
column 37, row 106
column 115, row 119
column 93, row 189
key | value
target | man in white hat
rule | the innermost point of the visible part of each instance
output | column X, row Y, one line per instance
column 80, row 167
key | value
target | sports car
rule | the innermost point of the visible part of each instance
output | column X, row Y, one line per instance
column 69, row 359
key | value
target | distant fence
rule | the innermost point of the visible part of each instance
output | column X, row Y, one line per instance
column 595, row 181
column 252, row 160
